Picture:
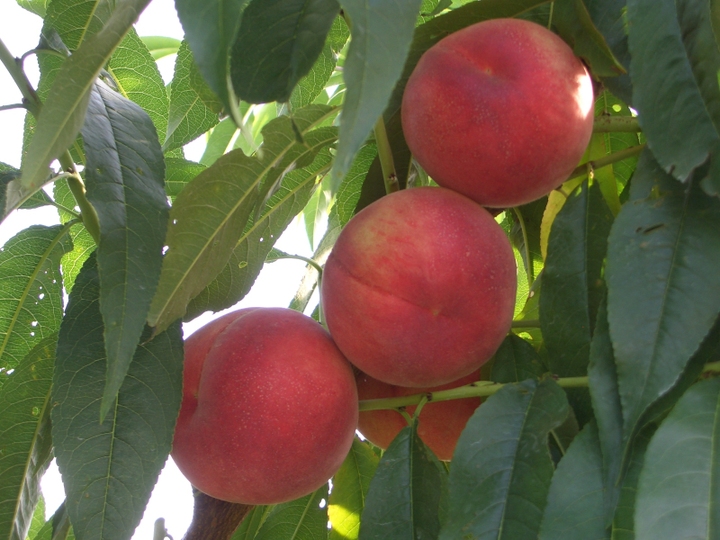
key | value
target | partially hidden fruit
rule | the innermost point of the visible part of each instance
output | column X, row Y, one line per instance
column 269, row 407
column 500, row 111
column 419, row 289
column 440, row 424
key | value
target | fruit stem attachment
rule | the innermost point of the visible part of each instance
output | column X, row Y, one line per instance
column 616, row 124
column 582, row 170
column 387, row 163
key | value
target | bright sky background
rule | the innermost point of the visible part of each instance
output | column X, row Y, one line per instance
column 20, row 31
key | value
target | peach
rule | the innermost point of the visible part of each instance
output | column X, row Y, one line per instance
column 500, row 111
column 419, row 289
column 269, row 407
column 440, row 424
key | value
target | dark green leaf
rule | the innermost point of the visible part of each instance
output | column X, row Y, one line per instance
column 350, row 488
column 125, row 175
column 574, row 508
column 110, row 468
column 137, row 78
column 674, row 68
column 623, row 527
column 678, row 489
column 26, row 448
column 210, row 28
column 31, row 290
column 251, row 523
column 404, row 495
column 63, row 112
column 277, row 44
column 515, row 361
column 381, row 36
column 576, row 27
column 194, row 108
column 663, row 297
column 605, row 396
column 501, row 469
column 573, row 286
column 301, row 519
column 259, row 236
column 351, row 189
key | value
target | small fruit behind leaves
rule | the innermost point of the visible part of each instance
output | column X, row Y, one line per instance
column 440, row 424
column 269, row 407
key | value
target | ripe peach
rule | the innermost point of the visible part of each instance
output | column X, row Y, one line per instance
column 419, row 289
column 269, row 407
column 440, row 424
column 500, row 111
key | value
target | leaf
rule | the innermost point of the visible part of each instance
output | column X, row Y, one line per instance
column 605, row 396
column 161, row 46
column 25, row 435
column 63, row 112
column 677, row 492
column 576, row 27
column 31, row 290
column 662, row 296
column 304, row 518
column 574, row 508
column 573, row 286
column 259, row 236
column 220, row 138
column 194, row 108
column 208, row 222
column 210, row 28
column 674, row 73
column 381, row 36
column 515, row 361
column 38, row 517
column 403, row 499
column 248, row 528
column 82, row 243
column 124, row 178
column 7, row 175
column 37, row 7
column 350, row 190
column 350, row 488
column 623, row 527
column 178, row 173
column 276, row 45
column 311, row 85
column 110, row 468
column 501, row 469
column 138, row 79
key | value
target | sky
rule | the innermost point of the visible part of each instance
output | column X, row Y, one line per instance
column 276, row 285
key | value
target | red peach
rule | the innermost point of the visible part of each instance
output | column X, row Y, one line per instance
column 500, row 111
column 419, row 289
column 269, row 407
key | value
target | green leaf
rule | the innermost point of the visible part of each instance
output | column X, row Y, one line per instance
column 210, row 214
column 38, row 517
column 350, row 488
column 311, row 85
column 251, row 523
column 574, row 508
column 674, row 68
column 259, row 236
column 110, row 468
column 63, row 112
column 25, row 435
column 138, row 79
column 576, row 27
column 125, row 172
column 38, row 7
column 194, row 108
column 210, row 28
column 381, row 36
column 605, row 396
column 515, row 361
column 403, row 499
column 350, row 190
column 301, row 519
column 276, row 45
column 678, row 488
column 31, row 290
column 573, row 286
column 178, row 173
column 7, row 175
column 161, row 46
column 663, row 298
column 220, row 138
column 501, row 469
column 623, row 527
